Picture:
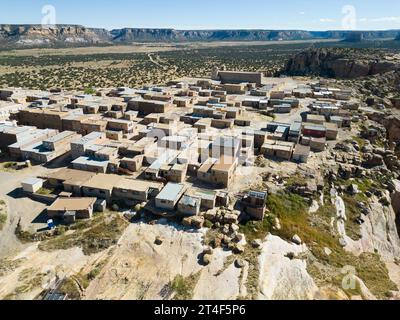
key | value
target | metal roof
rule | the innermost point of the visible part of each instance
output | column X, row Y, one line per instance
column 171, row 192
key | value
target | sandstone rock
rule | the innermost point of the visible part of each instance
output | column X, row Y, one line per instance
column 342, row 242
column 277, row 224
column 297, row 240
column 327, row 251
column 256, row 243
column 230, row 219
column 239, row 237
column 158, row 241
column 290, row 255
column 226, row 229
column 195, row 222
column 206, row 259
column 226, row 240
column 234, row 227
column 211, row 215
column 238, row 249
column 353, row 189
column 216, row 243
column 373, row 160
column 239, row 263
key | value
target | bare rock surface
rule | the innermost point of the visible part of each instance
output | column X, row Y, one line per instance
column 282, row 278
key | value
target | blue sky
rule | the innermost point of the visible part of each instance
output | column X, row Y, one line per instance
column 209, row 14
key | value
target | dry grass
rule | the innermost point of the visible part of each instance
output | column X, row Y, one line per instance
column 102, row 233
column 184, row 287
column 315, row 232
column 3, row 214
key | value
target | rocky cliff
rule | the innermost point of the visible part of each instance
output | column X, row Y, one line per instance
column 36, row 35
column 340, row 63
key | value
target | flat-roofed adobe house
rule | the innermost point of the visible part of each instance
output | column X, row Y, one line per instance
column 101, row 186
column 189, row 205
column 133, row 191
column 81, row 208
column 255, row 204
column 218, row 172
column 69, row 179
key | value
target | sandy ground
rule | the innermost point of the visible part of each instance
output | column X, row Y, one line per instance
column 46, row 265
column 148, row 47
column 18, row 207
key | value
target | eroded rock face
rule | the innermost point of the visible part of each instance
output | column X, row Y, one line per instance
column 338, row 63
column 391, row 123
column 281, row 277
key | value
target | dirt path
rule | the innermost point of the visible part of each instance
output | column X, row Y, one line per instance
column 18, row 207
column 150, row 55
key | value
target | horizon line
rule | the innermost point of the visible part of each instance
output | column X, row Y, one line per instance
column 205, row 29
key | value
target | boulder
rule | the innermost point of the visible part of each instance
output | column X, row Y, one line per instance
column 239, row 263
column 234, row 228
column 297, row 240
column 211, row 215
column 373, row 160
column 207, row 258
column 230, row 219
column 256, row 243
column 194, row 222
column 353, row 189
column 158, row 241
column 239, row 237
column 238, row 249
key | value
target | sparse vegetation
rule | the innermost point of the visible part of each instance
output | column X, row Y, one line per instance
column 183, row 287
column 3, row 214
column 71, row 288
column 45, row 191
column 102, row 233
column 316, row 233
column 29, row 284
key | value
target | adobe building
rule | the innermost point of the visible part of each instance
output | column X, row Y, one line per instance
column 255, row 204
column 42, row 119
column 218, row 172
column 301, row 153
column 169, row 197
column 237, row 77
column 101, row 186
column 10, row 134
column 78, row 208
column 189, row 205
column 278, row 149
column 132, row 191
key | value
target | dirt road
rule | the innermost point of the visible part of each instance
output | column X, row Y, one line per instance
column 18, row 207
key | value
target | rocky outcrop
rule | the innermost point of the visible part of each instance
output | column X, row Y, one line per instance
column 37, row 35
column 339, row 63
column 282, row 275
column 391, row 124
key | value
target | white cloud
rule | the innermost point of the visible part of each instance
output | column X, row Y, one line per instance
column 326, row 20
column 302, row 13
